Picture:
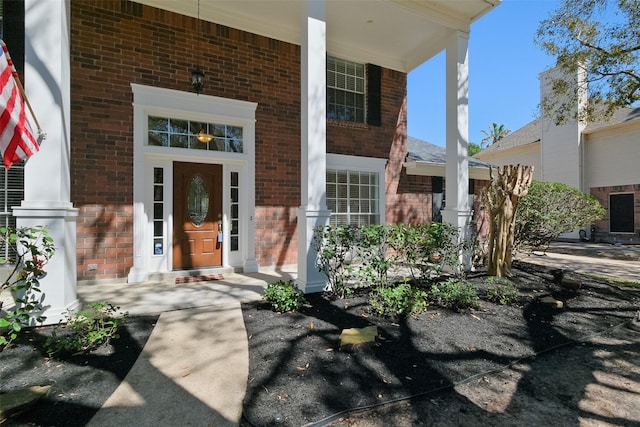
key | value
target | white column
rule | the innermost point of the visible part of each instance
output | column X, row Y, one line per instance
column 457, row 211
column 313, row 211
column 47, row 174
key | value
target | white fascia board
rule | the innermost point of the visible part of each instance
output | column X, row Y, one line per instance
column 438, row 169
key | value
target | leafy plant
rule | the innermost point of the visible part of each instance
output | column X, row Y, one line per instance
column 335, row 245
column 401, row 300
column 455, row 294
column 375, row 259
column 284, row 296
column 86, row 330
column 501, row 291
column 550, row 209
column 31, row 249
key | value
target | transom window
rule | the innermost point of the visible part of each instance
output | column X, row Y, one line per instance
column 179, row 133
column 352, row 197
column 346, row 90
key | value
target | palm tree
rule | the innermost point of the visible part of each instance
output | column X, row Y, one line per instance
column 495, row 133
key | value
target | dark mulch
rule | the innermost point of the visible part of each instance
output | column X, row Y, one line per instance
column 300, row 375
column 79, row 384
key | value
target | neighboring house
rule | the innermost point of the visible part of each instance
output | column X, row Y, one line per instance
column 429, row 160
column 303, row 119
column 600, row 159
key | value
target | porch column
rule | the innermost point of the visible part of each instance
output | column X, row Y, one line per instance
column 457, row 211
column 47, row 199
column 313, row 210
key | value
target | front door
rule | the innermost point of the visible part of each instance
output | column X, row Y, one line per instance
column 197, row 215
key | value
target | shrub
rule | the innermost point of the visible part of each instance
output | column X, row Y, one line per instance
column 284, row 296
column 401, row 300
column 501, row 291
column 334, row 245
column 32, row 248
column 455, row 294
column 86, row 330
column 550, row 209
column 375, row 260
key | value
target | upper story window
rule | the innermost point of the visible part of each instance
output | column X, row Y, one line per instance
column 169, row 132
column 345, row 90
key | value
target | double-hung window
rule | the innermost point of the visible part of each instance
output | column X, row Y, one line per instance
column 345, row 90
column 353, row 91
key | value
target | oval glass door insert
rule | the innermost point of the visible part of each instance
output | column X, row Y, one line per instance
column 198, row 200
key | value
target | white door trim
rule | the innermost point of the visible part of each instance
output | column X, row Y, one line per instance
column 177, row 104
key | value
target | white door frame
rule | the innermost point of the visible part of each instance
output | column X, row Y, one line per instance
column 162, row 102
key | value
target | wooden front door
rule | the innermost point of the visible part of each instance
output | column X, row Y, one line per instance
column 197, row 215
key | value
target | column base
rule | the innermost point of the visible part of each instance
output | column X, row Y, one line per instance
column 251, row 266
column 310, row 279
column 137, row 275
column 58, row 286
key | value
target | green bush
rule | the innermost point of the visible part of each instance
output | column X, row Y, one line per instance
column 284, row 296
column 86, row 330
column 501, row 290
column 375, row 260
column 455, row 294
column 334, row 245
column 401, row 300
column 30, row 249
column 550, row 209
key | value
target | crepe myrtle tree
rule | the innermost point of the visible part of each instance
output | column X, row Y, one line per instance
column 508, row 185
column 600, row 38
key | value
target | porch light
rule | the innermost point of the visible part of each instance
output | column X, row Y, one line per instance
column 197, row 79
column 204, row 137
column 197, row 75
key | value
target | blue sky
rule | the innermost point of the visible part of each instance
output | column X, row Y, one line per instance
column 504, row 65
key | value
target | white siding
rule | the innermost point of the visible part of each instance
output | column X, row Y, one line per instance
column 612, row 157
column 528, row 155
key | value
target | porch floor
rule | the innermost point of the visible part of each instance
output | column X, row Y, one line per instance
column 163, row 294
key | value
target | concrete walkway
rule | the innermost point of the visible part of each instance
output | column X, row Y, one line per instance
column 617, row 262
column 193, row 369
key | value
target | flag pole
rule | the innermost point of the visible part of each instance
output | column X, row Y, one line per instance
column 26, row 100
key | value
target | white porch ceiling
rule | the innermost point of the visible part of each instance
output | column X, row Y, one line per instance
column 397, row 34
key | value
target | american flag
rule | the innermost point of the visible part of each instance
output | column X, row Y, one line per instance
column 17, row 141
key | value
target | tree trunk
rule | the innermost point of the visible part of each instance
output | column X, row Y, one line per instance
column 501, row 197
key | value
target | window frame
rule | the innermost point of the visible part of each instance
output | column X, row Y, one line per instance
column 346, row 91
column 343, row 162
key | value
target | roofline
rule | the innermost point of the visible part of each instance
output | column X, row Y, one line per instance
column 420, row 168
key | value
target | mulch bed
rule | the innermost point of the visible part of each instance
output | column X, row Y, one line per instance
column 79, row 384
column 299, row 375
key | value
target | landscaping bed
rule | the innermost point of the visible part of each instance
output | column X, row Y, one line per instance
column 525, row 364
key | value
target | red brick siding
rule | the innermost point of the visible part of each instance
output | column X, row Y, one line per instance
column 115, row 43
column 602, row 233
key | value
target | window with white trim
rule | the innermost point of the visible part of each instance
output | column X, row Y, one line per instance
column 234, row 204
column 346, row 90
column 158, row 211
column 353, row 197
column 11, row 194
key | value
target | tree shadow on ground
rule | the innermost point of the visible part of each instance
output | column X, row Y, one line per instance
column 303, row 376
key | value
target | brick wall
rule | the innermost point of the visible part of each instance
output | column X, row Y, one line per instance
column 602, row 233
column 115, row 43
